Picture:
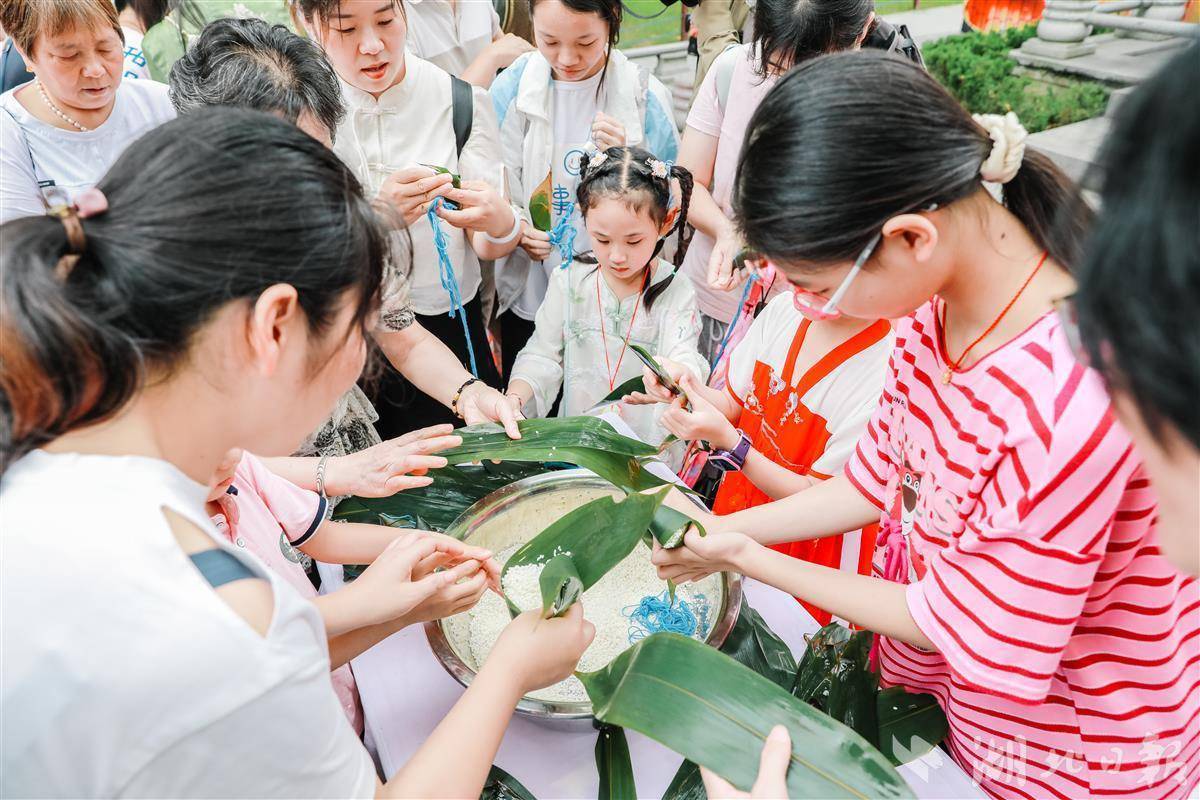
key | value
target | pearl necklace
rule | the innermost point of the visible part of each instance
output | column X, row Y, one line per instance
column 46, row 99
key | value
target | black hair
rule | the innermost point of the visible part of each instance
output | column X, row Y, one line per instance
column 610, row 11
column 208, row 209
column 322, row 10
column 149, row 12
column 789, row 32
column 253, row 64
column 846, row 141
column 1139, row 279
column 626, row 174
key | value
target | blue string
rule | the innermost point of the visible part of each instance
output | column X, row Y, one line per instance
column 733, row 322
column 562, row 236
column 449, row 282
column 656, row 613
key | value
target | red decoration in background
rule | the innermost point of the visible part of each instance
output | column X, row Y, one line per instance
column 993, row 15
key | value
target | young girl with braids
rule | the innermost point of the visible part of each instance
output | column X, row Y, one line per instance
column 621, row 294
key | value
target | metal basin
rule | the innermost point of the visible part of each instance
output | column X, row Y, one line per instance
column 478, row 525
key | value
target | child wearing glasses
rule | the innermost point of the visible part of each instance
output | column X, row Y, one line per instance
column 796, row 394
column 1023, row 584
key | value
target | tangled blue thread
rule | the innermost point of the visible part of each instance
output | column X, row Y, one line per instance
column 733, row 322
column 449, row 282
column 657, row 613
column 562, row 236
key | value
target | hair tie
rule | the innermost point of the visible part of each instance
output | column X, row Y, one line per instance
column 1008, row 146
column 88, row 203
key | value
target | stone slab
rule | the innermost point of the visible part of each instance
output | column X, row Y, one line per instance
column 1115, row 59
column 1074, row 147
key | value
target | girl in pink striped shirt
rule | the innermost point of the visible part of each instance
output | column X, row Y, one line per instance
column 1022, row 585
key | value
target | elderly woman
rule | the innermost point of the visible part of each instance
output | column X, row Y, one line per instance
column 252, row 64
column 60, row 132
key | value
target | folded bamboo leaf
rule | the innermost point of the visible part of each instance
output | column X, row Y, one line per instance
column 634, row 384
column 669, row 526
column 687, row 784
column 502, row 786
column 455, row 180
column 596, row 536
column 588, row 442
column 910, row 724
column 614, row 765
column 560, row 585
column 539, row 204
column 718, row 713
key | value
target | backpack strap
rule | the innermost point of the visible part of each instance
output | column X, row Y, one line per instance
column 723, row 67
column 462, row 105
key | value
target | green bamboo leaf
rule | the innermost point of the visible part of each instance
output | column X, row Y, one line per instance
column 560, row 585
column 588, row 442
column 596, row 537
column 634, row 384
column 455, row 180
column 502, row 786
column 650, row 361
column 614, row 765
column 539, row 204
column 718, row 713
column 669, row 526
column 754, row 645
column 814, row 677
column 910, row 724
column 687, row 784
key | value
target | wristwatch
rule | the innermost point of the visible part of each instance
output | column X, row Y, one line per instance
column 731, row 460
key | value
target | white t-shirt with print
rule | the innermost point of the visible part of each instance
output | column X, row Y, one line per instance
column 125, row 675
column 135, row 60
column 574, row 109
column 38, row 157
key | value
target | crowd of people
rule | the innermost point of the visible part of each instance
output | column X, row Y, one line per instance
column 261, row 256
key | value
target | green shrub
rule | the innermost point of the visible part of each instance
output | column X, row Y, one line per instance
column 975, row 67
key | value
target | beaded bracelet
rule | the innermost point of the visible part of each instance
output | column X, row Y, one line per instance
column 458, row 396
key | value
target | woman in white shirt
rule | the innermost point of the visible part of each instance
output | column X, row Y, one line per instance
column 399, row 125
column 463, row 37
column 61, row 131
column 211, row 292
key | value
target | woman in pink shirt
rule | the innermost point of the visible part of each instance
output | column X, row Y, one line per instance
column 1022, row 585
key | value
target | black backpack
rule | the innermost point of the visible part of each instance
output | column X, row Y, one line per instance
column 892, row 39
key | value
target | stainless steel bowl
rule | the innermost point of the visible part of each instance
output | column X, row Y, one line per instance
column 473, row 526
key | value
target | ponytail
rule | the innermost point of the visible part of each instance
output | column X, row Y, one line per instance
column 848, row 140
column 211, row 208
column 790, row 32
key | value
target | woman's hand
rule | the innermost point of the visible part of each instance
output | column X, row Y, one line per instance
column 481, row 209
column 771, row 783
column 393, row 585
column 534, row 242
column 392, row 466
column 721, row 274
column 607, row 132
column 468, row 581
column 411, row 189
column 481, row 403
column 655, row 391
column 700, row 556
column 704, row 422
column 535, row 652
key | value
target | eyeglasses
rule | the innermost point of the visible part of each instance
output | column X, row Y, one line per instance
column 816, row 307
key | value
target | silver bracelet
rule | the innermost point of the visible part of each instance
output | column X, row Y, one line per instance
column 516, row 229
column 321, row 476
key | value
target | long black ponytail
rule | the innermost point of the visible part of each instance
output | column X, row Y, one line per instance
column 848, row 140
column 628, row 173
column 208, row 209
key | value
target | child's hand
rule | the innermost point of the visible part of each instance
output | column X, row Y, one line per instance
column 607, row 132
column 534, row 242
column 771, row 783
column 468, row 581
column 703, row 422
column 534, row 652
column 481, row 209
column 392, row 466
column 655, row 391
column 411, row 189
column 721, row 274
column 701, row 556
column 388, row 588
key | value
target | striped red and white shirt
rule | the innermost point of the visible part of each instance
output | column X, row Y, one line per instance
column 1068, row 648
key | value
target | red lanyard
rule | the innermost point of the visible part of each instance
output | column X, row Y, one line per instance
column 612, row 374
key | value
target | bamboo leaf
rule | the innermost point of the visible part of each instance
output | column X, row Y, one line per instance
column 455, row 180
column 718, row 713
column 687, row 784
column 588, row 442
column 539, row 204
column 910, row 724
column 614, row 765
column 634, row 384
column 754, row 645
column 596, row 536
column 560, row 585
column 669, row 526
column 502, row 786
column 836, row 677
column 649, row 360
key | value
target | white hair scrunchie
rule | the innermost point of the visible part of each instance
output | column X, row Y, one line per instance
column 1008, row 146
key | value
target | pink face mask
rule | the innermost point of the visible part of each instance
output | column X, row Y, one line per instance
column 817, row 308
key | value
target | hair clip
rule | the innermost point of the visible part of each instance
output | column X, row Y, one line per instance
column 659, row 169
column 596, row 159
